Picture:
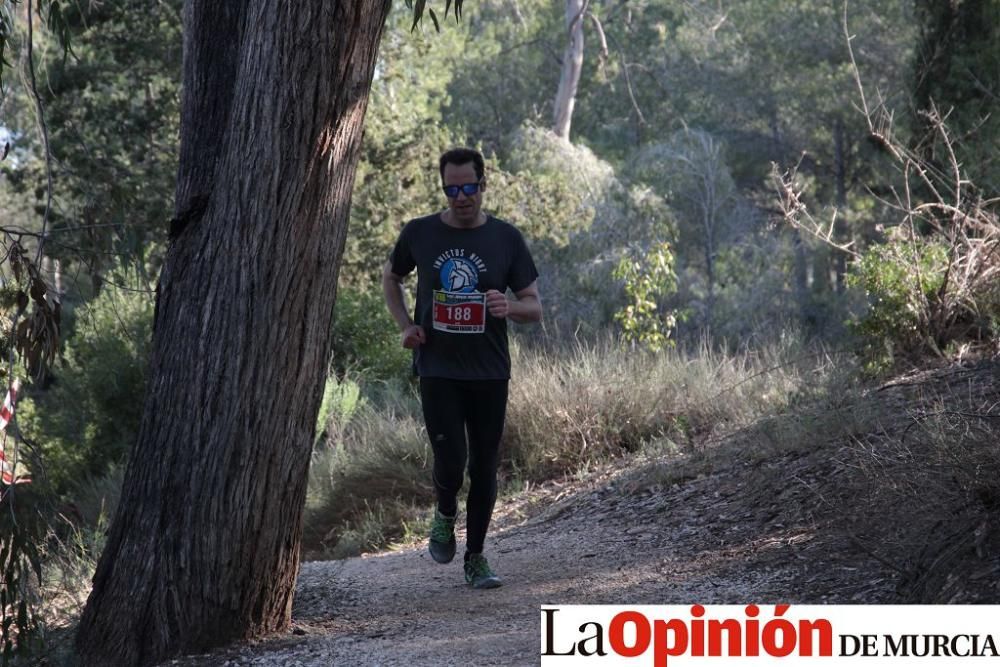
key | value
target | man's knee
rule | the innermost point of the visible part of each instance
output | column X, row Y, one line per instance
column 483, row 467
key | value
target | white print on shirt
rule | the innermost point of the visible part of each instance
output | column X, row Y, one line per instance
column 459, row 273
column 460, row 252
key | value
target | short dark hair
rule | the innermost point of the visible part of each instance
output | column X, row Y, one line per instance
column 459, row 156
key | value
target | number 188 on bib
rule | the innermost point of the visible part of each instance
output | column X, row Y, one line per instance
column 459, row 312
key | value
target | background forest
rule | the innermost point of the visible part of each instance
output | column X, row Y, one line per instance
column 737, row 198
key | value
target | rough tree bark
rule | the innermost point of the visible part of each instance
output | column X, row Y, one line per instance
column 204, row 546
column 572, row 65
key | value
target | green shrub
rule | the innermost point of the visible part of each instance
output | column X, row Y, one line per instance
column 648, row 280
column 85, row 423
column 21, row 531
column 366, row 340
column 901, row 282
column 579, row 222
column 548, row 187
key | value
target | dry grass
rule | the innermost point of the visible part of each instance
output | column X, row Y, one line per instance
column 927, row 488
column 589, row 403
column 909, row 474
column 365, row 484
column 569, row 410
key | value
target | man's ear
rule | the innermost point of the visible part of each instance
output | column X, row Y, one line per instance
column 482, row 184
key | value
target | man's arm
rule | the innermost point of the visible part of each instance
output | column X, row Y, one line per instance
column 392, row 288
column 526, row 307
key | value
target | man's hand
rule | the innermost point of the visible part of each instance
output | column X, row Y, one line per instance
column 497, row 303
column 413, row 336
column 524, row 308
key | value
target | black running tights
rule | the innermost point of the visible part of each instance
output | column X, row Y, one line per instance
column 452, row 408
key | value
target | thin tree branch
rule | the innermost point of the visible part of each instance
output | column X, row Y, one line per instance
column 600, row 33
column 628, row 83
column 43, row 128
column 857, row 72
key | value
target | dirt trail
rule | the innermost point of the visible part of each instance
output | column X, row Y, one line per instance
column 741, row 534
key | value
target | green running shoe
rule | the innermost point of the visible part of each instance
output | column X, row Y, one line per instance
column 478, row 573
column 442, row 542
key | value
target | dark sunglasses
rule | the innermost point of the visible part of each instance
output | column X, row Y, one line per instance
column 451, row 191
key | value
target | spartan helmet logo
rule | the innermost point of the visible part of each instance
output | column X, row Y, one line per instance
column 459, row 275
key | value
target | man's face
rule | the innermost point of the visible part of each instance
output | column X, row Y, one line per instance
column 464, row 208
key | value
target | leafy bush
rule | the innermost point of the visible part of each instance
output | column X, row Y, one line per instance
column 580, row 219
column 551, row 189
column 930, row 294
column 647, row 280
column 88, row 419
column 901, row 282
column 366, row 340
column 21, row 531
column 754, row 292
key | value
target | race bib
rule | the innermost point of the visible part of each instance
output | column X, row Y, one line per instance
column 459, row 312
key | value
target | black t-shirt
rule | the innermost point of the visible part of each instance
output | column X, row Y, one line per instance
column 455, row 268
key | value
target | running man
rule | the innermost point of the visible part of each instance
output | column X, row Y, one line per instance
column 466, row 260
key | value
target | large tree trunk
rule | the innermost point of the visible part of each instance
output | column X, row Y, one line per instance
column 571, row 67
column 204, row 546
